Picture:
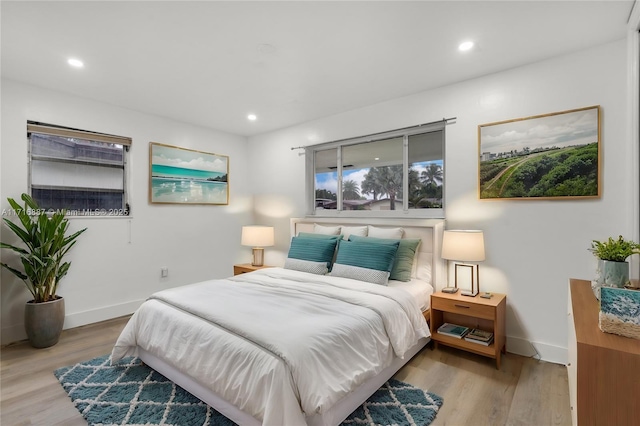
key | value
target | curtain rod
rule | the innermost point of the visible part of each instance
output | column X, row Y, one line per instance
column 445, row 120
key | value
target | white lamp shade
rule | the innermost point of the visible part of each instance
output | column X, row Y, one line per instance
column 257, row 236
column 462, row 245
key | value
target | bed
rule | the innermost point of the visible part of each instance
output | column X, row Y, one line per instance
column 285, row 346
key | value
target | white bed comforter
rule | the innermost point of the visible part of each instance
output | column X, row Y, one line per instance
column 277, row 344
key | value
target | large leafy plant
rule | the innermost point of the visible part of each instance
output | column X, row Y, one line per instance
column 46, row 244
column 614, row 250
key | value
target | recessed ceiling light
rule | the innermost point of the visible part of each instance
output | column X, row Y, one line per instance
column 465, row 46
column 377, row 158
column 252, row 117
column 76, row 63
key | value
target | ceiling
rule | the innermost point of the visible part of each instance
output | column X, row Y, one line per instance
column 212, row 63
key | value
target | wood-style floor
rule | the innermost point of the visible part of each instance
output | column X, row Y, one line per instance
column 523, row 392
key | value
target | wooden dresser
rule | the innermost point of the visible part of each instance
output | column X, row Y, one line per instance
column 604, row 368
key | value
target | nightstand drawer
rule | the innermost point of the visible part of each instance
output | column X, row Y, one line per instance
column 463, row 308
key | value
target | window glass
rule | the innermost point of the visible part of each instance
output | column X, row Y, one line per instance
column 399, row 173
column 426, row 170
column 326, row 179
column 372, row 177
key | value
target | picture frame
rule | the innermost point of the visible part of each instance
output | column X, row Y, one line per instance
column 544, row 157
column 186, row 176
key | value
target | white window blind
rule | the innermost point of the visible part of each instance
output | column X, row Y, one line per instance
column 80, row 171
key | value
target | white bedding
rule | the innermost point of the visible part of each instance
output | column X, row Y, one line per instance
column 419, row 289
column 278, row 344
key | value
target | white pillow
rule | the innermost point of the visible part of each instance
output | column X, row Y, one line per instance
column 422, row 267
column 360, row 231
column 326, row 230
column 391, row 233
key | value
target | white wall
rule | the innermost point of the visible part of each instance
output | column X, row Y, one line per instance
column 533, row 247
column 116, row 262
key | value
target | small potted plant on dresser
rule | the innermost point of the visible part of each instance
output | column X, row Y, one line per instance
column 613, row 268
column 45, row 245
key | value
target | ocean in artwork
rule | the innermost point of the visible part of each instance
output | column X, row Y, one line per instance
column 181, row 185
column 620, row 304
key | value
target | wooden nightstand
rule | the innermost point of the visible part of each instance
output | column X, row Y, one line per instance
column 243, row 268
column 472, row 312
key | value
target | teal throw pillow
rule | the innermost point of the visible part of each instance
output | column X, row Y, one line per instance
column 365, row 255
column 403, row 264
column 312, row 249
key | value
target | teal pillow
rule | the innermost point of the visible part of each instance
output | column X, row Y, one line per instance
column 364, row 255
column 403, row 264
column 312, row 249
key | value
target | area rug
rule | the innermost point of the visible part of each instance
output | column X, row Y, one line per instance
column 131, row 393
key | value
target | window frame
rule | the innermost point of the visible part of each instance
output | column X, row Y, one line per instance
column 66, row 132
column 405, row 133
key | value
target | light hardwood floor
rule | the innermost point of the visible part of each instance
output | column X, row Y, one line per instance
column 523, row 392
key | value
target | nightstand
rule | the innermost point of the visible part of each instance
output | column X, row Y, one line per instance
column 472, row 312
column 243, row 268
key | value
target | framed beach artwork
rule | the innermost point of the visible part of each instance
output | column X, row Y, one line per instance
column 551, row 156
column 185, row 176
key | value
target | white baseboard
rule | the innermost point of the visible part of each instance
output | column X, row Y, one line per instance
column 16, row 333
column 542, row 351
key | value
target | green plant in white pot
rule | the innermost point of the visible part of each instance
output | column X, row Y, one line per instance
column 613, row 268
column 45, row 240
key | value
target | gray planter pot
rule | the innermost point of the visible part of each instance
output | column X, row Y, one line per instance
column 610, row 274
column 43, row 322
column 614, row 274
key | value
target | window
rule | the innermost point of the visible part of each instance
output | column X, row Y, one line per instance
column 395, row 173
column 82, row 172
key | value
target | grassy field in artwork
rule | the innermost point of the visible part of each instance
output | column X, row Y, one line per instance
column 571, row 171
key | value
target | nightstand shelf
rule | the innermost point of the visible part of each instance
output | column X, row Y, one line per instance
column 472, row 312
column 243, row 268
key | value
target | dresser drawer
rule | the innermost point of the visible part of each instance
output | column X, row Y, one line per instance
column 463, row 308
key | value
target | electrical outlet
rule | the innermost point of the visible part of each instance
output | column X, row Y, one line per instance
column 164, row 272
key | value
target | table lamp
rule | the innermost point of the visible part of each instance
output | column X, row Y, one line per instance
column 464, row 246
column 257, row 237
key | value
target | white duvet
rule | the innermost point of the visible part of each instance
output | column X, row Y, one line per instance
column 276, row 343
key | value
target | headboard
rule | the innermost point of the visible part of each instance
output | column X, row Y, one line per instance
column 430, row 231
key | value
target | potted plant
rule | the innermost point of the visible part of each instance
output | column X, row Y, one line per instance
column 45, row 245
column 613, row 268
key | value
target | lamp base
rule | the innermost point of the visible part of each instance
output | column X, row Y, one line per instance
column 469, row 293
column 258, row 257
column 450, row 290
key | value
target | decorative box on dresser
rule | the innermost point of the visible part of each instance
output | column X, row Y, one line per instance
column 603, row 368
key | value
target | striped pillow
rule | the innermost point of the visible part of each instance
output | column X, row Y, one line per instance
column 312, row 249
column 365, row 255
column 403, row 264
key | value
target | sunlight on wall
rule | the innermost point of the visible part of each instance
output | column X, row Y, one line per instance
column 275, row 206
column 241, row 204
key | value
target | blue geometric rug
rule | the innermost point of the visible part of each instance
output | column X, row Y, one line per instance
column 133, row 394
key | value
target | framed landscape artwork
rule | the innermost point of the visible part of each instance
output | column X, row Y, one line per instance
column 547, row 156
column 185, row 176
